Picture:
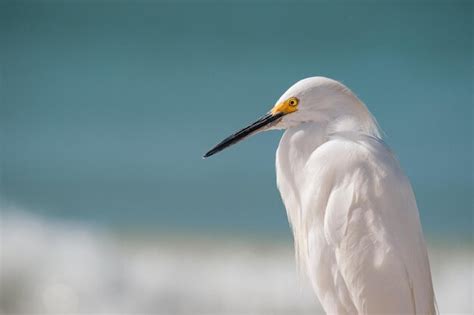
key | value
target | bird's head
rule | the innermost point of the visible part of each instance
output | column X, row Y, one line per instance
column 315, row 99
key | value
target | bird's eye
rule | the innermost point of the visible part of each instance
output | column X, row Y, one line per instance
column 293, row 101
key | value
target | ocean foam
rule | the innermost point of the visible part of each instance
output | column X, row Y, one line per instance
column 54, row 267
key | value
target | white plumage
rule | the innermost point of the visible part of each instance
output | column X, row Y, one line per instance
column 354, row 217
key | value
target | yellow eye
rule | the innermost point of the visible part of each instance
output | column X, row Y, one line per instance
column 293, row 101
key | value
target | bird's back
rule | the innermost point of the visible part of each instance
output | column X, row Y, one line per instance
column 355, row 221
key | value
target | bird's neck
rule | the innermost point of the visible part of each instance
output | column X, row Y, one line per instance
column 299, row 142
column 304, row 138
column 295, row 148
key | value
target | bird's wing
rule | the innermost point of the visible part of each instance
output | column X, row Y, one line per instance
column 372, row 225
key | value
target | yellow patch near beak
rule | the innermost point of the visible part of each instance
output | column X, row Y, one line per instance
column 286, row 107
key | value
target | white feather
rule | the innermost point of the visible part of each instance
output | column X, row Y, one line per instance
column 355, row 221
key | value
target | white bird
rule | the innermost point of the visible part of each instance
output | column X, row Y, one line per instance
column 354, row 217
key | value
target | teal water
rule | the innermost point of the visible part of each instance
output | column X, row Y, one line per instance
column 107, row 107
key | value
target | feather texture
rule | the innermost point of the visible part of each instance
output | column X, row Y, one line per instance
column 356, row 225
column 354, row 217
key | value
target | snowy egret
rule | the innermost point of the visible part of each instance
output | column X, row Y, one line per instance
column 354, row 217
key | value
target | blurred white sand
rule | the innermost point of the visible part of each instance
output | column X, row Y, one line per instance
column 59, row 268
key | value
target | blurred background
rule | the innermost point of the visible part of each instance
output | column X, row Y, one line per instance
column 108, row 106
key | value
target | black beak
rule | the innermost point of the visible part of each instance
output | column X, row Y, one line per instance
column 259, row 125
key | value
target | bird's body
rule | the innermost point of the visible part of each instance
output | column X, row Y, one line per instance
column 355, row 222
column 354, row 217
